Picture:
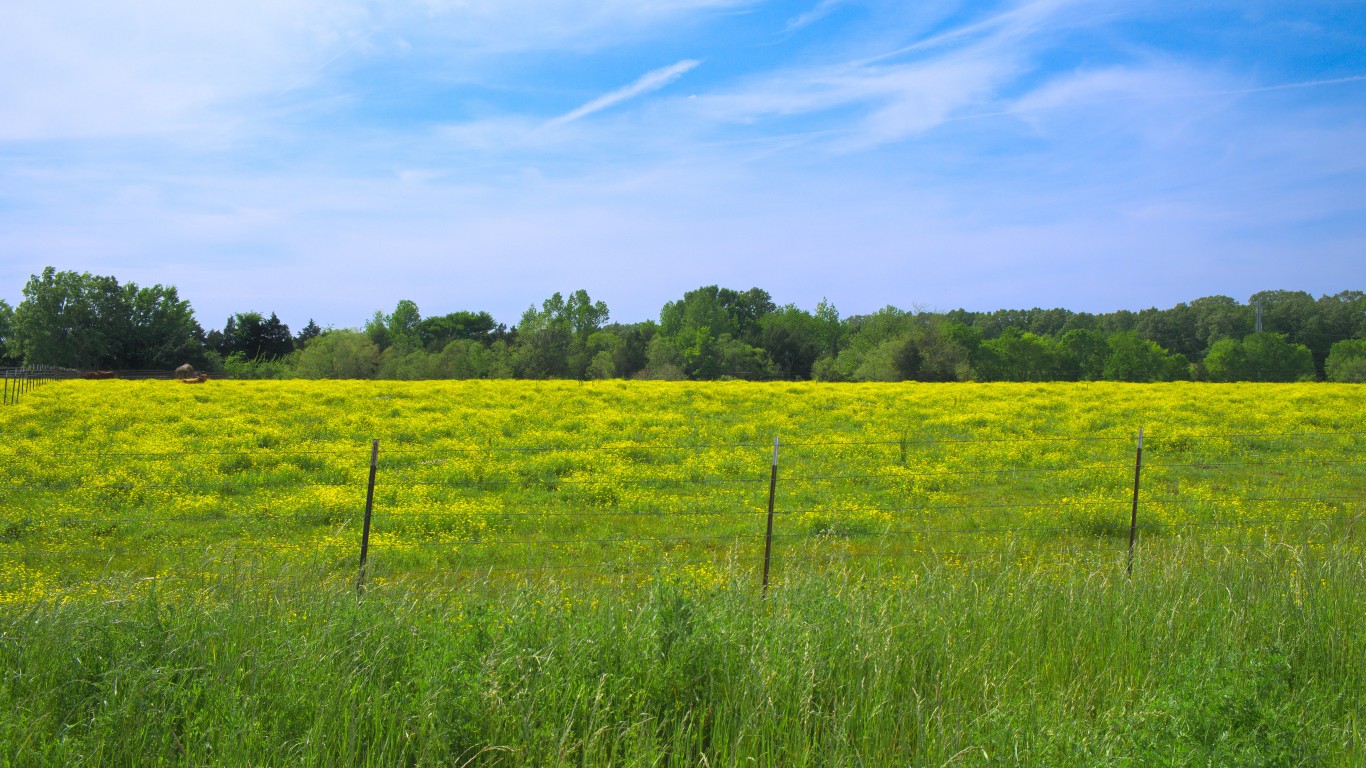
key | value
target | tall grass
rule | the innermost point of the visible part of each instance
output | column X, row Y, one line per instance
column 1240, row 656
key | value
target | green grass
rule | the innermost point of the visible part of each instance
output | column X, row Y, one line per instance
column 155, row 478
column 177, row 573
column 1245, row 656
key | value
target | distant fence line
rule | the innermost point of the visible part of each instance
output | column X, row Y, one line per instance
column 26, row 378
column 754, row 491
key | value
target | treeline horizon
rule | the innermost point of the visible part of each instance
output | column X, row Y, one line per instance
column 90, row 322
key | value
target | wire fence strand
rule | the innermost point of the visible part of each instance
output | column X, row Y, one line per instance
column 417, row 522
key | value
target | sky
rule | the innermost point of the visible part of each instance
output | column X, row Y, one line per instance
column 324, row 159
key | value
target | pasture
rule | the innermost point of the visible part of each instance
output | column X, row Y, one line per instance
column 568, row 573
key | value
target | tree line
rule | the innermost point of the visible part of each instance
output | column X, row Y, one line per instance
column 84, row 321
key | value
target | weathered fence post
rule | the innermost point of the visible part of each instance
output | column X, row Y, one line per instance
column 369, row 508
column 1133, row 517
column 772, row 492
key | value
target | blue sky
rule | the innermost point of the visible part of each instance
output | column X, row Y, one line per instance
column 326, row 158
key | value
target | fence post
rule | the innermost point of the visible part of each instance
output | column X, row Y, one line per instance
column 772, row 492
column 369, row 508
column 1133, row 517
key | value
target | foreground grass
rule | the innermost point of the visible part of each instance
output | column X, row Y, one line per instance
column 1249, row 656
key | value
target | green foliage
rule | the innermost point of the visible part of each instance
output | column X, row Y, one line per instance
column 1016, row 356
column 251, row 336
column 239, row 366
column 307, row 334
column 869, row 348
column 79, row 320
column 1084, row 353
column 795, row 339
column 437, row 332
column 469, row 359
column 553, row 342
column 86, row 321
column 710, row 326
column 162, row 330
column 1259, row 357
column 339, row 354
column 70, row 319
column 7, row 335
column 1347, row 361
column 1136, row 359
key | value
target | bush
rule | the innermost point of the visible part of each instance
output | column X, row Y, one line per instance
column 237, row 366
column 1347, row 361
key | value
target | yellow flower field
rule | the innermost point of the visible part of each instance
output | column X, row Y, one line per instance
column 611, row 481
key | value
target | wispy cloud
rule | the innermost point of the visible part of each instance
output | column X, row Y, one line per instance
column 987, row 153
column 823, row 8
column 878, row 99
column 646, row 83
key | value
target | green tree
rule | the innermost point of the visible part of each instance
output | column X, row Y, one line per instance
column 162, row 331
column 943, row 351
column 1175, row 330
column 1220, row 317
column 308, row 333
column 1337, row 318
column 1226, row 361
column 1016, row 356
column 1133, row 358
column 697, row 324
column 403, row 327
column 76, row 320
column 795, row 339
column 7, row 335
column 339, row 354
column 255, row 337
column 552, row 342
column 472, row 359
column 377, row 329
column 631, row 355
column 439, row 331
column 868, row 347
column 1084, row 353
column 1347, row 361
column 1259, row 357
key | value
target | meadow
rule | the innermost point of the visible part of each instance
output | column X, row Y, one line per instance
column 568, row 573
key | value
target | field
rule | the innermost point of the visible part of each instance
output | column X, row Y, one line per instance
column 569, row 573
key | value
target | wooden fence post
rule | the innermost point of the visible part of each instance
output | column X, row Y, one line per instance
column 772, row 492
column 369, row 508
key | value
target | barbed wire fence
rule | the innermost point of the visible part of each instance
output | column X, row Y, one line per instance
column 20, row 380
column 614, row 510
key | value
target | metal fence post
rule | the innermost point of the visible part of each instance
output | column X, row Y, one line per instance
column 772, row 492
column 369, row 508
column 1133, row 517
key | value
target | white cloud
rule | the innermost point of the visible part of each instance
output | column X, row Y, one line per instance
column 821, row 10
column 889, row 101
column 89, row 68
column 503, row 26
column 646, row 83
column 86, row 69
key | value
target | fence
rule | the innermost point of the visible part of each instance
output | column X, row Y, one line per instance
column 611, row 512
column 26, row 378
column 23, row 379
